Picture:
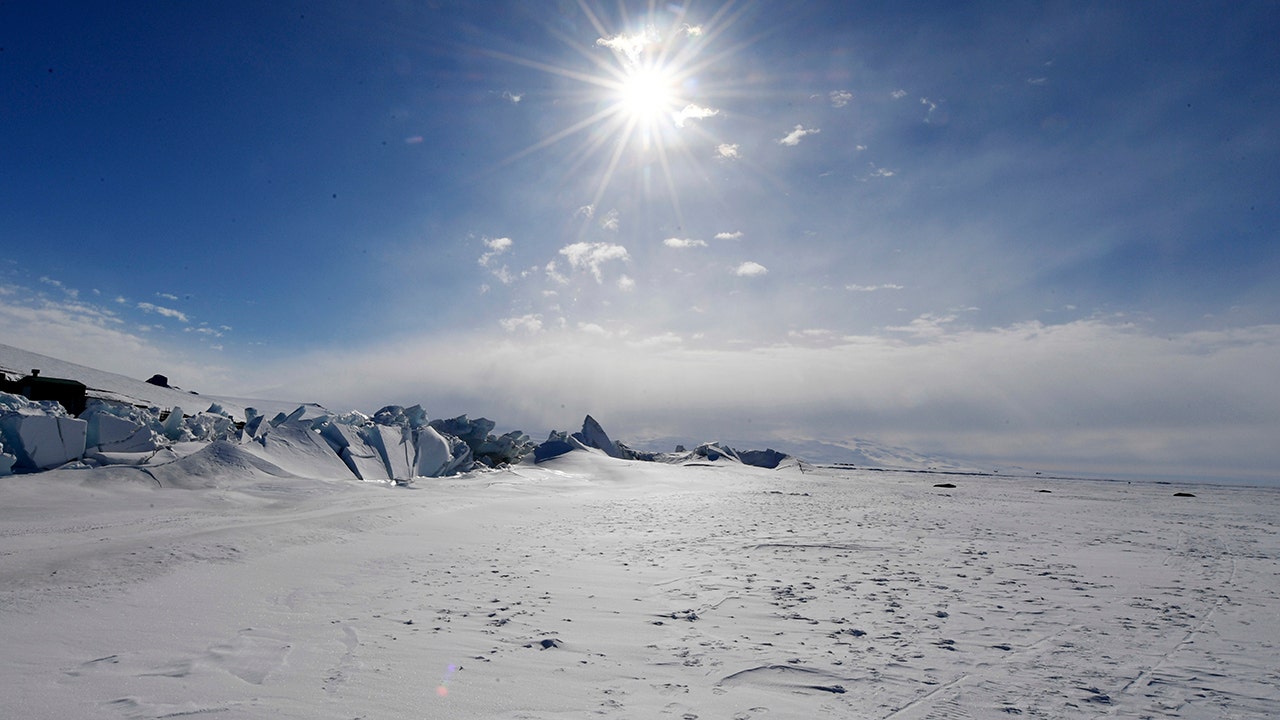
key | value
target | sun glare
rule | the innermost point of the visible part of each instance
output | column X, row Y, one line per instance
column 647, row 94
column 645, row 98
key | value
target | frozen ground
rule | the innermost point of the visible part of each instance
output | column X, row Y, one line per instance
column 589, row 586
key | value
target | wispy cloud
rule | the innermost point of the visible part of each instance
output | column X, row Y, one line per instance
column 735, row 235
column 504, row 275
column 592, row 256
column 554, row 274
column 163, row 311
column 934, row 113
column 626, row 283
column 497, row 246
column 840, row 98
column 674, row 242
column 514, row 98
column 527, row 323
column 58, row 284
column 611, row 221
column 97, row 336
column 898, row 94
column 928, row 325
column 872, row 288
column 793, row 138
column 167, row 296
column 750, row 268
column 727, row 151
column 693, row 112
column 691, row 30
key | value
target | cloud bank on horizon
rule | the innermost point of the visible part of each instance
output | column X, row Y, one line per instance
column 1043, row 235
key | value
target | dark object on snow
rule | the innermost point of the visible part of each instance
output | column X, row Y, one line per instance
column 768, row 458
column 158, row 380
column 945, row 485
column 68, row 393
column 1184, row 494
column 1044, row 491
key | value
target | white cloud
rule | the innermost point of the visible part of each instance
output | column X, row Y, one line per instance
column 167, row 296
column 750, row 269
column 693, row 112
column 610, row 221
column 515, row 98
column 793, row 138
column 882, row 172
column 735, row 235
column 872, row 288
column 626, row 284
column 840, row 98
column 526, row 323
column 727, row 151
column 591, row 256
column 163, row 311
column 586, row 211
column 674, row 242
column 898, row 94
column 497, row 246
column 629, row 46
column 691, row 30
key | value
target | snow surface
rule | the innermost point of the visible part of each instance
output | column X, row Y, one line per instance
column 589, row 585
column 259, row 577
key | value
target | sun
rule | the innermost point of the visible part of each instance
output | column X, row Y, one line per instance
column 642, row 108
column 647, row 95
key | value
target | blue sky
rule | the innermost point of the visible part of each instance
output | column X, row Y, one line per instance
column 1044, row 233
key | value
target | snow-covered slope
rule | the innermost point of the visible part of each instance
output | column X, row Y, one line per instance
column 118, row 388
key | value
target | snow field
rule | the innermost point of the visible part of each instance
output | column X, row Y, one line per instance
column 590, row 586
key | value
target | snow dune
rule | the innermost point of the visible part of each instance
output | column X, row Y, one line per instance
column 595, row 586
